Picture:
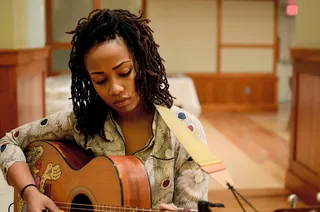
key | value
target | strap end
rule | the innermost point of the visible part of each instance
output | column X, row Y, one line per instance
column 219, row 173
column 213, row 167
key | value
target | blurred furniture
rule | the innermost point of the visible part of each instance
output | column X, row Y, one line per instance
column 22, row 90
column 183, row 89
column 62, row 16
column 303, row 175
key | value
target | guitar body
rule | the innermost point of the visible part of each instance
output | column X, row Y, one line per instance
column 77, row 181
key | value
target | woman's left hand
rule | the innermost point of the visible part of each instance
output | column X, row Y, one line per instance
column 169, row 207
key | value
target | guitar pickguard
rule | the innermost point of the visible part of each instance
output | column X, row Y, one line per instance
column 51, row 172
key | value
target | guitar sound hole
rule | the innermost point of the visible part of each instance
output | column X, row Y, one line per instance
column 81, row 203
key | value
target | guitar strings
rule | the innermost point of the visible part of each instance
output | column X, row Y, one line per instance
column 102, row 207
column 114, row 210
column 95, row 205
column 100, row 210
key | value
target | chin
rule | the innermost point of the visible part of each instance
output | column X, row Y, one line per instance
column 124, row 109
column 129, row 108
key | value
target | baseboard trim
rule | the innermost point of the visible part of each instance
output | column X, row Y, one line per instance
column 212, row 107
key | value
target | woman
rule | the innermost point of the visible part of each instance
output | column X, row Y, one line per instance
column 117, row 77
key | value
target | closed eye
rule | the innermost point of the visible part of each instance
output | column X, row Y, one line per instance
column 101, row 82
column 126, row 74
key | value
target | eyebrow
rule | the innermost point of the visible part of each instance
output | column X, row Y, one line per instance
column 114, row 68
column 117, row 66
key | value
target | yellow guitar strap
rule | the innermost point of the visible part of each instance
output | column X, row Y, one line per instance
column 198, row 151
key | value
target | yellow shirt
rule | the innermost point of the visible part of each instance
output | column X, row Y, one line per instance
column 174, row 177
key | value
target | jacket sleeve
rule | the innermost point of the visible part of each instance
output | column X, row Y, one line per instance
column 58, row 126
column 191, row 183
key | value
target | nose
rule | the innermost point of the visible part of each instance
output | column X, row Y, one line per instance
column 115, row 89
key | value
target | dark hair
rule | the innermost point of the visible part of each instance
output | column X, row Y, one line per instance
column 151, row 83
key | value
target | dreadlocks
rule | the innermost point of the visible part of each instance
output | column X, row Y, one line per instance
column 151, row 83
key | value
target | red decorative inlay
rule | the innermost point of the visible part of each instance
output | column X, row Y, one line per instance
column 77, row 127
column 16, row 134
column 191, row 127
column 165, row 183
column 38, row 164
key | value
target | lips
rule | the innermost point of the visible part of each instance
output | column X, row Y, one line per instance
column 122, row 102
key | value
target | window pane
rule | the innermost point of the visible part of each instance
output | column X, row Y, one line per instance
column 132, row 5
column 61, row 60
column 247, row 60
column 247, row 22
column 66, row 14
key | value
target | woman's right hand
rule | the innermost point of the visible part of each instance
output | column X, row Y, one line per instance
column 37, row 202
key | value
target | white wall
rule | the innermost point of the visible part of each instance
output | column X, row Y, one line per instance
column 307, row 31
column 186, row 33
column 24, row 24
column 35, row 22
column 284, row 67
column 247, row 22
column 7, row 23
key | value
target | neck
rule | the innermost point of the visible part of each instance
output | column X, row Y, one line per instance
column 138, row 114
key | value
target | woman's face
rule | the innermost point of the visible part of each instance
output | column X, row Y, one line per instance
column 112, row 73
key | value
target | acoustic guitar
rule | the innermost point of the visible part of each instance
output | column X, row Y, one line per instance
column 78, row 181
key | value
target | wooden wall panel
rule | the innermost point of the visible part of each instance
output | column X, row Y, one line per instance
column 31, row 80
column 22, row 90
column 303, row 176
column 8, row 93
column 236, row 92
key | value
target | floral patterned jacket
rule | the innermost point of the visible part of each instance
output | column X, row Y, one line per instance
column 174, row 177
